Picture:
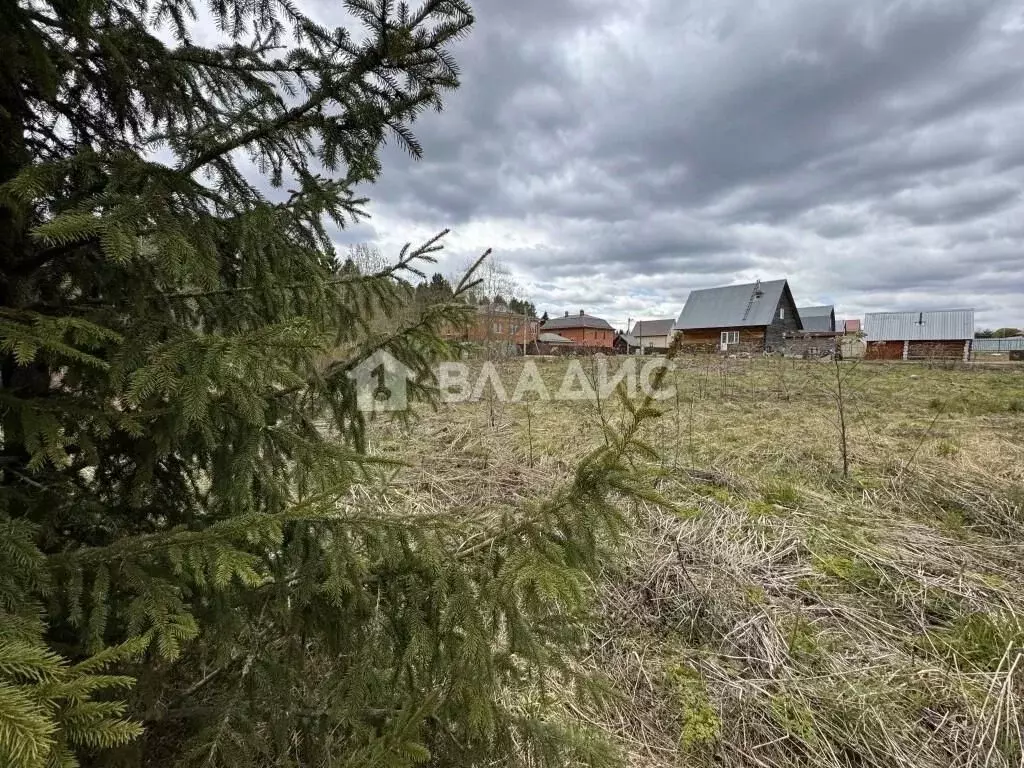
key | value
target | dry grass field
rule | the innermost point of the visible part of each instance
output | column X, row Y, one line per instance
column 778, row 611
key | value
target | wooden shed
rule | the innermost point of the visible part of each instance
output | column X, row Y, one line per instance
column 944, row 334
column 626, row 344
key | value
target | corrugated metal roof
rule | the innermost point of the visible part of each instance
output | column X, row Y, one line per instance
column 653, row 327
column 732, row 306
column 940, row 325
column 576, row 321
column 553, row 338
column 824, row 310
column 998, row 345
column 821, row 318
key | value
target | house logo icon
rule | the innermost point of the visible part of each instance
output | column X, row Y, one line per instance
column 381, row 383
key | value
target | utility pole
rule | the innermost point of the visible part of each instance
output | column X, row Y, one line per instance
column 526, row 325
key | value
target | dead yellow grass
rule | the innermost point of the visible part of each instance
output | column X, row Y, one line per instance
column 782, row 612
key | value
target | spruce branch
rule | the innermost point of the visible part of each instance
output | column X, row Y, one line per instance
column 601, row 467
column 404, row 264
column 430, row 320
column 321, row 506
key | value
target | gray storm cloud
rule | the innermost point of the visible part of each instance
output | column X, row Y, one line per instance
column 871, row 152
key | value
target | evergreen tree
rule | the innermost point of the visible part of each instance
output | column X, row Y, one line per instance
column 522, row 307
column 440, row 288
column 422, row 294
column 185, row 575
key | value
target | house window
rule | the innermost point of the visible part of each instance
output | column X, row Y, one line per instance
column 730, row 337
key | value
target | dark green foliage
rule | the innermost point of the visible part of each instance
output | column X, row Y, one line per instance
column 522, row 307
column 182, row 555
column 437, row 291
column 515, row 306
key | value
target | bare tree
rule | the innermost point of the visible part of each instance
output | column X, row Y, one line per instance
column 367, row 258
column 500, row 329
column 836, row 387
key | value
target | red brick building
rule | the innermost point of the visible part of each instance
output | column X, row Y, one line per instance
column 495, row 323
column 583, row 330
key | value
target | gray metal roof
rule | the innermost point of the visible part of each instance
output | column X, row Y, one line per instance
column 732, row 306
column 939, row 325
column 653, row 327
column 576, row 321
column 998, row 345
column 820, row 318
column 631, row 341
column 553, row 338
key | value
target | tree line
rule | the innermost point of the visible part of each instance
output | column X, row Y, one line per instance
column 364, row 259
column 999, row 333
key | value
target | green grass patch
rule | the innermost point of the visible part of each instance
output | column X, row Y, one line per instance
column 700, row 724
column 981, row 639
column 847, row 569
column 794, row 717
column 780, row 493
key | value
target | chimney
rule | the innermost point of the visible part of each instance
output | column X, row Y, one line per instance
column 567, row 313
column 581, row 313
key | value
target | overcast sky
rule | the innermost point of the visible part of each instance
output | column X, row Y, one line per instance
column 617, row 155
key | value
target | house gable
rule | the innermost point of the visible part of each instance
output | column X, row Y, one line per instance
column 786, row 319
